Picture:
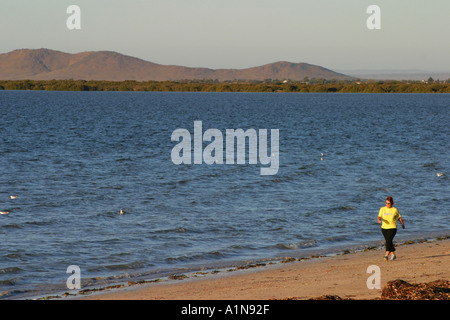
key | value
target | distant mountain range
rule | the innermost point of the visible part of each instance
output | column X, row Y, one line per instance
column 46, row 64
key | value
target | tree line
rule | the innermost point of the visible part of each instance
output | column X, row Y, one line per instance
column 313, row 85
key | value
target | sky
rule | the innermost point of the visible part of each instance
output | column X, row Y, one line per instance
column 240, row 33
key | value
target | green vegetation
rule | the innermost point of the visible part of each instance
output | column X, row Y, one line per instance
column 268, row 85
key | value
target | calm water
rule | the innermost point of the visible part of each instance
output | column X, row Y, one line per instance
column 76, row 159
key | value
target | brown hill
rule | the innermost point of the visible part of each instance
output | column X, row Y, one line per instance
column 45, row 64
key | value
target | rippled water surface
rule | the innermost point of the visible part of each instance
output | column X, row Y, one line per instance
column 75, row 159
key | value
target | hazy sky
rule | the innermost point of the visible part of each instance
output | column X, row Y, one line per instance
column 414, row 34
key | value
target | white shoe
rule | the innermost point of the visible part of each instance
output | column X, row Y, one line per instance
column 393, row 256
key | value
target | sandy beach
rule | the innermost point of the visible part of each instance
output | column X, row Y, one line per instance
column 343, row 275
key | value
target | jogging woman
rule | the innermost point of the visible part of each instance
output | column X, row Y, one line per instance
column 388, row 217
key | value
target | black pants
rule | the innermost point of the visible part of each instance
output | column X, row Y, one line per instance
column 389, row 235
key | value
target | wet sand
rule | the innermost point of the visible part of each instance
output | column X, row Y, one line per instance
column 342, row 275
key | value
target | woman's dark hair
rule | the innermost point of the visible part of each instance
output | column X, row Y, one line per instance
column 390, row 199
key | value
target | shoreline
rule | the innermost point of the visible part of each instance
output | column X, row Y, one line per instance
column 341, row 274
column 258, row 86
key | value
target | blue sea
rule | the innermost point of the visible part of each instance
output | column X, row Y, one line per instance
column 75, row 159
